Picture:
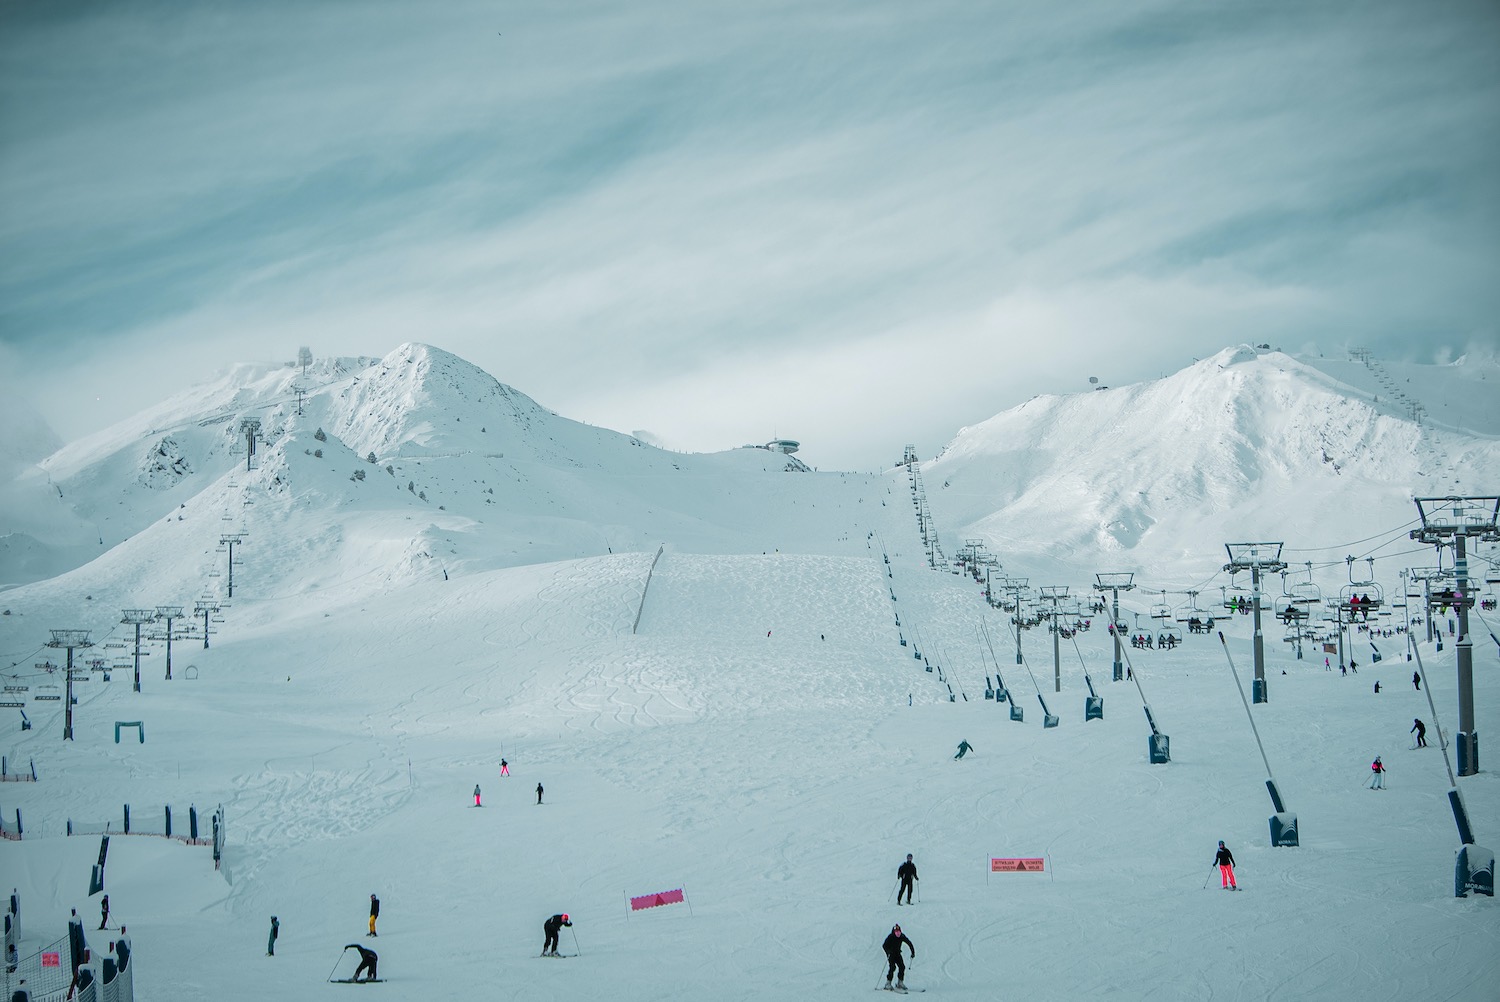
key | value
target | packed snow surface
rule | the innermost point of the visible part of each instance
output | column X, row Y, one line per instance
column 701, row 660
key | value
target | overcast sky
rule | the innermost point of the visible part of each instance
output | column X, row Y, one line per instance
column 856, row 223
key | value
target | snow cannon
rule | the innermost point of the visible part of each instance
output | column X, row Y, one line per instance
column 1160, row 747
column 1283, row 822
column 1093, row 703
column 1016, row 713
column 1474, row 871
column 1048, row 718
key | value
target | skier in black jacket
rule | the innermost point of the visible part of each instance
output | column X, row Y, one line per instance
column 892, row 948
column 907, row 872
column 551, row 927
column 367, row 959
column 1225, row 860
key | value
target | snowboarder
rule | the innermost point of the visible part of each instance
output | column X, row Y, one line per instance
column 271, row 941
column 897, row 966
column 1225, row 860
column 907, row 872
column 539, row 793
column 1421, row 731
column 550, row 927
column 504, row 767
column 1377, row 774
column 963, row 749
column 1416, row 681
column 367, row 959
column 476, row 796
column 104, row 911
column 374, row 913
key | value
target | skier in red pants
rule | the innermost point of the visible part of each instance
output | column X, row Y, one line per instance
column 1225, row 859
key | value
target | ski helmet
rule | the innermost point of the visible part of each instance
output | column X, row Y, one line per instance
column 896, row 929
column 1221, row 843
column 908, row 855
column 565, row 916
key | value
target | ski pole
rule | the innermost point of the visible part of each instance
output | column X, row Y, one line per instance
column 336, row 963
column 1208, row 878
column 576, row 951
column 893, row 890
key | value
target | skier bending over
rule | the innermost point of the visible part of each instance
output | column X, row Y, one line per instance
column 892, row 948
column 963, row 749
column 551, row 927
column 1225, row 860
column 1420, row 729
column 367, row 960
column 907, row 872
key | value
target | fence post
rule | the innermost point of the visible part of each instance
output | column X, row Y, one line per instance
column 193, row 822
column 19, row 830
column 169, row 820
column 3, row 766
column 127, row 819
column 70, row 828
column 33, row 770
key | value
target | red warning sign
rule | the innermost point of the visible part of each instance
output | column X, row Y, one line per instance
column 656, row 900
column 51, row 960
column 1027, row 865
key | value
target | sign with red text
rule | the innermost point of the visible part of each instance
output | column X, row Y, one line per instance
column 1017, row 865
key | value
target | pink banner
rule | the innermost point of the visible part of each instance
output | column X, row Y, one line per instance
column 656, row 900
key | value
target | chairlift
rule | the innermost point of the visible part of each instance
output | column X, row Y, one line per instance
column 1161, row 610
column 46, row 692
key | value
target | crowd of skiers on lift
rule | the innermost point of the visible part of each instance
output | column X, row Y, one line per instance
column 1164, row 641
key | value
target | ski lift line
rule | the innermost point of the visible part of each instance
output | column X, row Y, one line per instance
column 1436, row 720
column 1225, row 644
column 1474, row 611
column 1344, row 546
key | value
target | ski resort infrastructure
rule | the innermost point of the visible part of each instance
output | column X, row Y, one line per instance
column 742, row 683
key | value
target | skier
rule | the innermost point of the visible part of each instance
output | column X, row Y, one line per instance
column 963, row 749
column 1225, row 860
column 476, row 796
column 550, row 927
column 1377, row 687
column 1421, row 732
column 504, row 767
column 1377, row 774
column 374, row 913
column 104, row 911
column 1354, row 666
column 539, row 793
column 367, row 959
column 1416, row 681
column 897, row 966
column 271, row 941
column 907, row 872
